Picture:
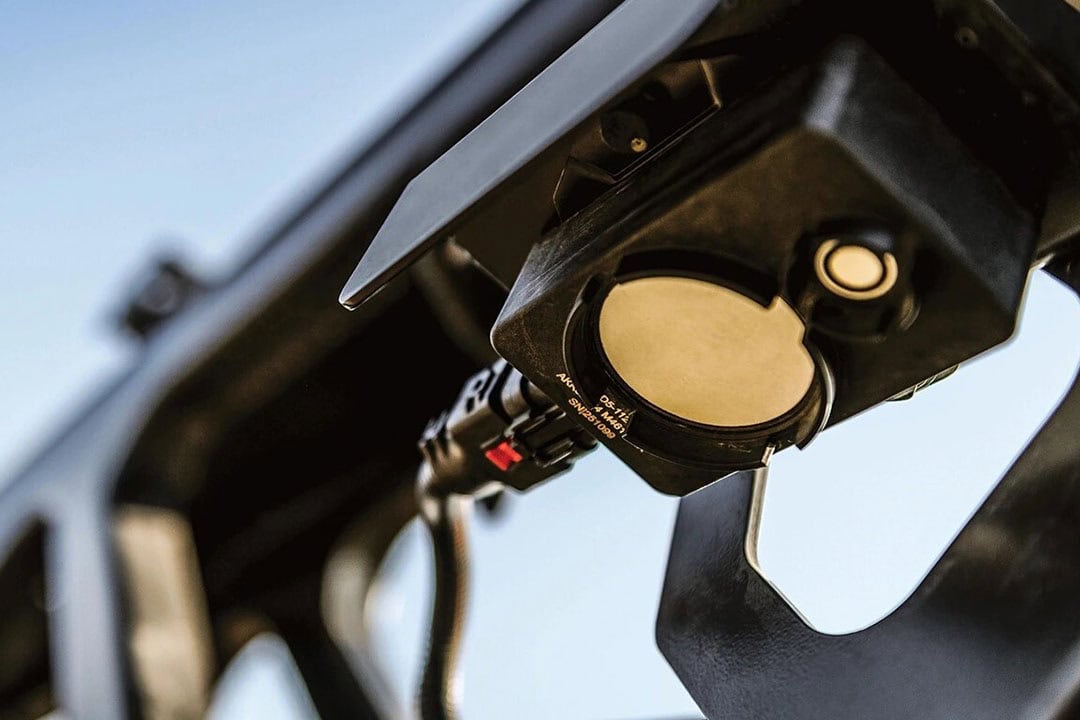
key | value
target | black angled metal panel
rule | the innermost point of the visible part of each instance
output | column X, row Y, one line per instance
column 992, row 632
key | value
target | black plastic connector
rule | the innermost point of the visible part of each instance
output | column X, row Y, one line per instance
column 502, row 429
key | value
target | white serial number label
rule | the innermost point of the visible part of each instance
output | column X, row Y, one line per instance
column 607, row 416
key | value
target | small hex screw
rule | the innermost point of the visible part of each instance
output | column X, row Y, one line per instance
column 967, row 38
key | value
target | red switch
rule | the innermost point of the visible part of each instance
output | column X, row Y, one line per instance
column 503, row 455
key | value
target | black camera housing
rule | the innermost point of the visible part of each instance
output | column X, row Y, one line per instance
column 840, row 148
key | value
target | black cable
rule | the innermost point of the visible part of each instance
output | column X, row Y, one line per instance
column 445, row 515
column 500, row 432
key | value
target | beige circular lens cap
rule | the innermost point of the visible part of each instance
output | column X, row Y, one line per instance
column 855, row 267
column 705, row 353
column 853, row 271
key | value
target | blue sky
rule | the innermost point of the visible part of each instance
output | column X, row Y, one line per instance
column 135, row 127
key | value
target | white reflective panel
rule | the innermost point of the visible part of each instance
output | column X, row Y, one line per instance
column 564, row 598
column 853, row 523
column 398, row 608
column 262, row 683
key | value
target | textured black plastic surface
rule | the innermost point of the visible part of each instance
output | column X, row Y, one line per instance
column 837, row 142
column 627, row 44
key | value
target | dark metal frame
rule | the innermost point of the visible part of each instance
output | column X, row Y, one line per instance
column 261, row 413
column 154, row 436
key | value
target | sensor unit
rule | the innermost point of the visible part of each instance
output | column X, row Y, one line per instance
column 811, row 250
